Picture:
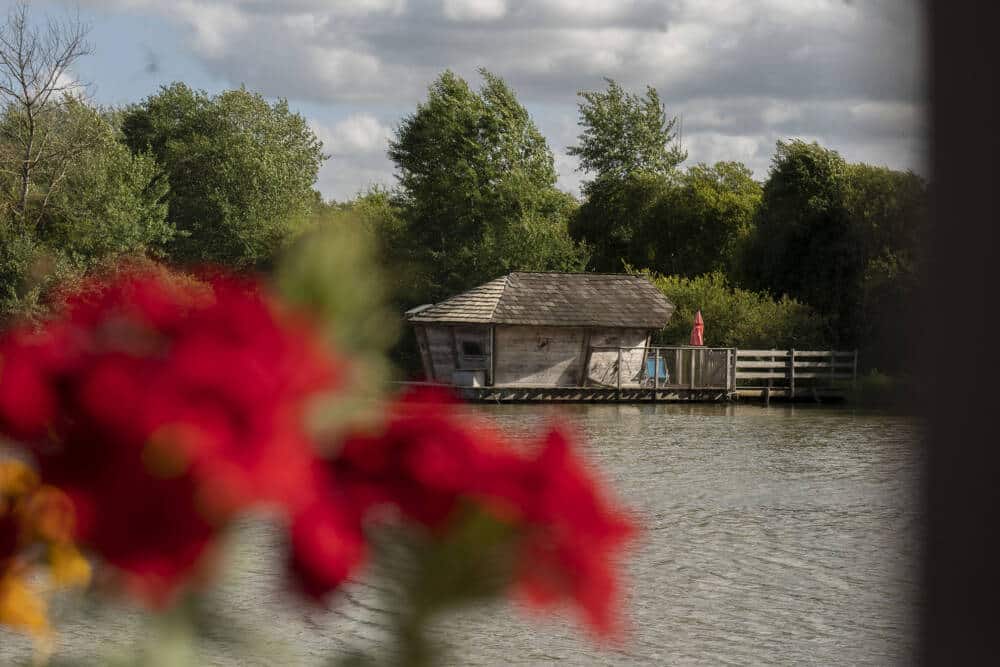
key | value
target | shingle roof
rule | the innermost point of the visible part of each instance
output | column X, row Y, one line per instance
column 556, row 299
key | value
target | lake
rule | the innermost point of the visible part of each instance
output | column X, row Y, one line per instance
column 780, row 535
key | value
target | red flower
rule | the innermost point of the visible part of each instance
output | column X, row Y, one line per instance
column 427, row 458
column 430, row 458
column 572, row 538
column 162, row 406
column 327, row 545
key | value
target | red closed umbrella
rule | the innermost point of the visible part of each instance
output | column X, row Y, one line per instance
column 698, row 331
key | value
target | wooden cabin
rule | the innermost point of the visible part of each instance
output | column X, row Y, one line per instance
column 542, row 330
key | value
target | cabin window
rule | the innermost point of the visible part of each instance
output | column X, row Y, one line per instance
column 472, row 348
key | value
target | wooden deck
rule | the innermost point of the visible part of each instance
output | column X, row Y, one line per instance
column 688, row 374
column 590, row 395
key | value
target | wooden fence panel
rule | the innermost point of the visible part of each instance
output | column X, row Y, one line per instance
column 795, row 371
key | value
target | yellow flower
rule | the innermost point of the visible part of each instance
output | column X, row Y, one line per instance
column 33, row 516
column 16, row 479
column 21, row 607
column 49, row 513
column 68, row 566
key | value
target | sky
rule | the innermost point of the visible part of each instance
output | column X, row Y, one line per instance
column 740, row 75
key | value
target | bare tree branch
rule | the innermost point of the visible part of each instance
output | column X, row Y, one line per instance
column 34, row 81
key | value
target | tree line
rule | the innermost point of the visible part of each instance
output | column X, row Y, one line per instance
column 821, row 253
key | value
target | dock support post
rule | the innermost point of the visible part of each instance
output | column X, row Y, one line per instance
column 729, row 388
column 692, row 368
column 833, row 369
column 791, row 373
column 770, row 380
column 656, row 372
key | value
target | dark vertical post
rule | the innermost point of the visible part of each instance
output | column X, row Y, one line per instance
column 692, row 350
column 770, row 380
column 454, row 354
column 656, row 371
column 854, row 372
column 962, row 511
column 584, row 358
column 791, row 372
column 493, row 355
column 619, row 373
column 730, row 372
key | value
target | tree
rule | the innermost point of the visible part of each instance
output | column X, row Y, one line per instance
column 843, row 238
column 804, row 244
column 614, row 218
column 629, row 145
column 110, row 202
column 475, row 177
column 34, row 84
column 624, row 133
column 888, row 210
column 240, row 170
column 100, row 202
column 701, row 222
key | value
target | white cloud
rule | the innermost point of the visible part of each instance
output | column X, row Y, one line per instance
column 474, row 10
column 743, row 74
column 357, row 148
column 355, row 135
column 213, row 25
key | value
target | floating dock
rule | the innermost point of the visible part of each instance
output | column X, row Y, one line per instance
column 693, row 374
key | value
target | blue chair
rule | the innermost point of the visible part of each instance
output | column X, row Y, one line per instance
column 663, row 377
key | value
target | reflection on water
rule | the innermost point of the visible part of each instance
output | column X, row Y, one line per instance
column 780, row 535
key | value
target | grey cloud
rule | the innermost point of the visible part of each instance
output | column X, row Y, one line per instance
column 742, row 74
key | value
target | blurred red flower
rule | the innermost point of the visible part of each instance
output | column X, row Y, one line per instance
column 161, row 406
column 573, row 537
column 429, row 458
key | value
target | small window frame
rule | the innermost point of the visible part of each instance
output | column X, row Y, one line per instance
column 473, row 348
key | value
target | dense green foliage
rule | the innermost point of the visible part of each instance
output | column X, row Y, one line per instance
column 109, row 202
column 477, row 188
column 702, row 222
column 615, row 220
column 735, row 317
column 92, row 202
column 844, row 238
column 692, row 223
column 625, row 134
column 240, row 170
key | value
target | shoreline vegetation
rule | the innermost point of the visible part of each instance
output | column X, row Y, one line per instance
column 821, row 253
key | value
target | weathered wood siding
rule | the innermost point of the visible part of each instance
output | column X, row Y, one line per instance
column 531, row 356
column 447, row 348
column 420, row 332
column 603, row 366
column 441, row 346
column 538, row 356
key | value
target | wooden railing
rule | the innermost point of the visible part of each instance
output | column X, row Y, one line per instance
column 787, row 373
column 795, row 372
column 664, row 368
